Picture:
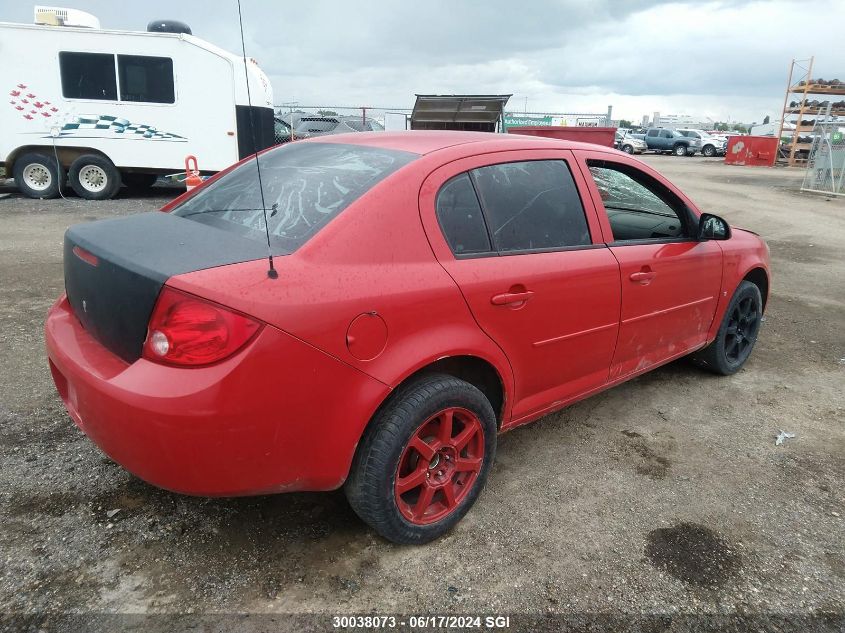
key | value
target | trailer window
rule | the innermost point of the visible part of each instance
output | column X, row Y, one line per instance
column 88, row 76
column 146, row 79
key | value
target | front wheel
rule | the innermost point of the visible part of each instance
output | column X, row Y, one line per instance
column 737, row 334
column 423, row 460
column 709, row 151
column 680, row 150
column 94, row 177
column 628, row 149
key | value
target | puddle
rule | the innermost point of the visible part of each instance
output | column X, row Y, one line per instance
column 692, row 553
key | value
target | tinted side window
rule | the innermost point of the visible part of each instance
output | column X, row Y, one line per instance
column 460, row 217
column 146, row 79
column 88, row 76
column 532, row 205
column 638, row 207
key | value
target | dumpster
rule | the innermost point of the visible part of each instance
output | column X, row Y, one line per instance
column 752, row 151
column 478, row 113
column 596, row 135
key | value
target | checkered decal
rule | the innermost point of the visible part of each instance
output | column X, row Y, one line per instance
column 116, row 125
column 31, row 108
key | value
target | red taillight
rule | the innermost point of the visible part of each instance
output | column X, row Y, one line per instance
column 188, row 331
column 85, row 256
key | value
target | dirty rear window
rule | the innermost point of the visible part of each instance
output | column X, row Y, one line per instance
column 305, row 186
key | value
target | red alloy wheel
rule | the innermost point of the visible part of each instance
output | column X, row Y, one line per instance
column 439, row 465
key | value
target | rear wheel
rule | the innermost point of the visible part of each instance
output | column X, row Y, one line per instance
column 424, row 459
column 38, row 175
column 94, row 177
column 680, row 150
column 737, row 334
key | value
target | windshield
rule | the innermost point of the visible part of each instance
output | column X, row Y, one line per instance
column 305, row 186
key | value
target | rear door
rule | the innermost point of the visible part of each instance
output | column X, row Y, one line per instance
column 670, row 281
column 526, row 251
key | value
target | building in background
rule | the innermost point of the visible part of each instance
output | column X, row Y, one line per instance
column 687, row 121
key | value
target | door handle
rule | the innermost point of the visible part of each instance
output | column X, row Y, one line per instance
column 643, row 277
column 508, row 298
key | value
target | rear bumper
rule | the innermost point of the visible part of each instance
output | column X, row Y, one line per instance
column 278, row 416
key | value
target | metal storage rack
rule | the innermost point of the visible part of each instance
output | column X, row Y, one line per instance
column 801, row 86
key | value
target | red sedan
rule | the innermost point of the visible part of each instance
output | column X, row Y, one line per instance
column 432, row 290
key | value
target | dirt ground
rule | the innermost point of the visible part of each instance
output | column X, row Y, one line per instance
column 666, row 495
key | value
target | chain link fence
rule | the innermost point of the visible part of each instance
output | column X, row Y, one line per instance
column 300, row 121
column 294, row 120
column 826, row 160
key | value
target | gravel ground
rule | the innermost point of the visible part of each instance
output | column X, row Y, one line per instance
column 666, row 495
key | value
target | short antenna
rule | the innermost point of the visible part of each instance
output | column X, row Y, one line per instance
column 271, row 272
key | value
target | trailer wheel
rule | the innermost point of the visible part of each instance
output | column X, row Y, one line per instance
column 94, row 177
column 138, row 181
column 38, row 175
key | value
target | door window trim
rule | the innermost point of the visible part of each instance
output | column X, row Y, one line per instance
column 494, row 252
column 685, row 213
column 488, row 253
column 652, row 240
column 439, row 175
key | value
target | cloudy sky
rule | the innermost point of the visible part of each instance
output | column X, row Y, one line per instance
column 721, row 59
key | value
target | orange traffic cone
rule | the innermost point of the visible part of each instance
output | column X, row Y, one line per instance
column 192, row 174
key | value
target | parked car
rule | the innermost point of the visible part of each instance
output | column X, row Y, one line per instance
column 321, row 125
column 710, row 145
column 281, row 131
column 426, row 291
column 665, row 140
column 629, row 143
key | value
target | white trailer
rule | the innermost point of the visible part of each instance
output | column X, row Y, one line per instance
column 121, row 106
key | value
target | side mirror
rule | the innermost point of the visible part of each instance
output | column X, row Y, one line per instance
column 712, row 227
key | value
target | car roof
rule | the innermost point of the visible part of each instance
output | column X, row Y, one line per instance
column 427, row 141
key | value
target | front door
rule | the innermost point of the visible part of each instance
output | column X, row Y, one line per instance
column 670, row 281
column 512, row 231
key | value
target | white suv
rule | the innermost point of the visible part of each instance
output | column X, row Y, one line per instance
column 710, row 145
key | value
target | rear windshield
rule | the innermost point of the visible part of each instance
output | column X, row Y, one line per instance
column 316, row 125
column 305, row 186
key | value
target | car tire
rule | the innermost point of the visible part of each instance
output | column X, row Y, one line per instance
column 737, row 334
column 423, row 459
column 138, row 181
column 38, row 175
column 709, row 151
column 94, row 177
column 628, row 149
column 680, row 150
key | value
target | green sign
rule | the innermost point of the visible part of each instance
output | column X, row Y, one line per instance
column 513, row 120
